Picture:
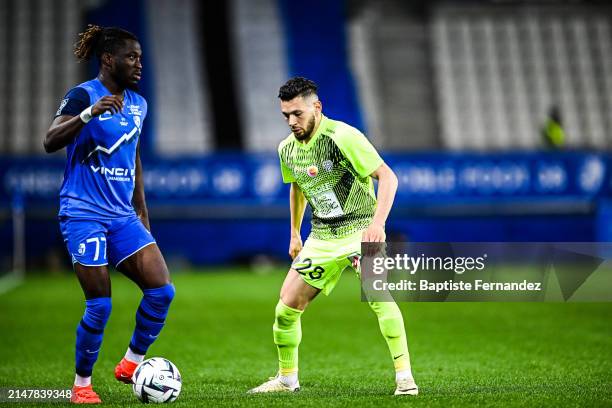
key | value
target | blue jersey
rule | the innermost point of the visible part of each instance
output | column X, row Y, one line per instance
column 101, row 160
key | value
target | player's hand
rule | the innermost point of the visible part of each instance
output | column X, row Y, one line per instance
column 295, row 245
column 111, row 103
column 374, row 233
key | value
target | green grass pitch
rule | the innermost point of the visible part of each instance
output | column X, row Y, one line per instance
column 219, row 335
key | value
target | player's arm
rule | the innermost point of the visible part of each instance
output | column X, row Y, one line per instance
column 297, row 205
column 387, row 186
column 138, row 199
column 367, row 163
column 62, row 131
column 66, row 127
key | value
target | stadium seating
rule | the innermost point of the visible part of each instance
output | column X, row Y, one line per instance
column 181, row 114
column 500, row 69
column 37, row 68
column 262, row 67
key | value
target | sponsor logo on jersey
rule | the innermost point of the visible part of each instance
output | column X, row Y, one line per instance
column 327, row 205
column 114, row 173
column 105, row 116
column 312, row 171
column 134, row 110
column 81, row 248
column 123, row 122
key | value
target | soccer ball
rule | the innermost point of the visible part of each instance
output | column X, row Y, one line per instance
column 156, row 380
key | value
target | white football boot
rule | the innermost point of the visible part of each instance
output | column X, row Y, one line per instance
column 274, row 384
column 406, row 386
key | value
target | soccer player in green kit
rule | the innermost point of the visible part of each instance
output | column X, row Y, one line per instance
column 330, row 166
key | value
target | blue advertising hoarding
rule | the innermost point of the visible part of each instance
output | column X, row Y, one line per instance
column 521, row 196
column 435, row 178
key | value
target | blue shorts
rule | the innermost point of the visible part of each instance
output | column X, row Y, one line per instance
column 96, row 242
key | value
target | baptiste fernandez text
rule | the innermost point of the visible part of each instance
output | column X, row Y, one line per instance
column 450, row 285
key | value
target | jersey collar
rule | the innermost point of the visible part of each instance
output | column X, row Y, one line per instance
column 322, row 125
column 109, row 92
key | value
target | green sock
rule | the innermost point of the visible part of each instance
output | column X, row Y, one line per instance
column 391, row 325
column 287, row 336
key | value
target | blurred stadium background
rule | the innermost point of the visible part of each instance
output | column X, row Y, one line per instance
column 496, row 116
column 455, row 94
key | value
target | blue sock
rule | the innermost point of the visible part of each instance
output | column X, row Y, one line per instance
column 89, row 334
column 150, row 317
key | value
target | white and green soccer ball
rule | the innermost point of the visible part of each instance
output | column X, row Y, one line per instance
column 157, row 380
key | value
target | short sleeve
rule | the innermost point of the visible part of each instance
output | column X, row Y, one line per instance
column 145, row 109
column 286, row 172
column 75, row 102
column 358, row 150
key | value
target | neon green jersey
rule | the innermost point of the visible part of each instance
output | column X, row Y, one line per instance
column 333, row 171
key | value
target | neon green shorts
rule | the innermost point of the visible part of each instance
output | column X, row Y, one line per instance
column 321, row 262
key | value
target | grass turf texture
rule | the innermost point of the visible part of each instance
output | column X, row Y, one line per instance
column 219, row 335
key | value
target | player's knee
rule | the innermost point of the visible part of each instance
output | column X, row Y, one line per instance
column 286, row 329
column 392, row 328
column 160, row 298
column 389, row 317
column 385, row 309
column 285, row 316
column 97, row 312
column 167, row 294
column 375, row 306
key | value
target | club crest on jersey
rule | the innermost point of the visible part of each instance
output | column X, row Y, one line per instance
column 328, row 165
column 81, row 248
column 137, row 121
column 312, row 171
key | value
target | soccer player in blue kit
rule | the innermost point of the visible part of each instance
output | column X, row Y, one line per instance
column 103, row 214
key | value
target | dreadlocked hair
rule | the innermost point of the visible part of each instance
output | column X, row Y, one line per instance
column 96, row 40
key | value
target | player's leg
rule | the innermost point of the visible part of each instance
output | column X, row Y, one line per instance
column 295, row 292
column 391, row 325
column 295, row 295
column 137, row 256
column 95, row 283
column 86, row 242
column 148, row 270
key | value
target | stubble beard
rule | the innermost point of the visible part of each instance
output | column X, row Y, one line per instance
column 124, row 82
column 308, row 131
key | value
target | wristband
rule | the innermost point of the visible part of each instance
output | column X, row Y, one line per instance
column 86, row 115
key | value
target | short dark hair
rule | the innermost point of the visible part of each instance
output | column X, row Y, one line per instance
column 298, row 86
column 96, row 40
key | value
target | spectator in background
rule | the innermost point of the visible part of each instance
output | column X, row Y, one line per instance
column 553, row 134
